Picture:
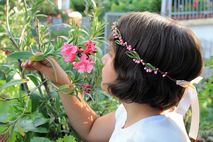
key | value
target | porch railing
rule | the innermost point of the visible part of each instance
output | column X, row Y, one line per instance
column 187, row 9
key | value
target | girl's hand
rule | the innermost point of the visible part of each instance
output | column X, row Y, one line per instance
column 50, row 68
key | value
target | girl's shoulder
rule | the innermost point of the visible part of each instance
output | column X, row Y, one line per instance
column 159, row 128
column 164, row 128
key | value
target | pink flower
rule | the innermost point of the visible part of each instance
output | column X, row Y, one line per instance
column 68, row 49
column 90, row 47
column 84, row 65
column 86, row 87
column 70, row 58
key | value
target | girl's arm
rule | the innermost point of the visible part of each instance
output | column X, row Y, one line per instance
column 83, row 119
column 86, row 122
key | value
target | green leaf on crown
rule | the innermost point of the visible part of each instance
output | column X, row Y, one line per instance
column 117, row 42
column 133, row 54
column 150, row 66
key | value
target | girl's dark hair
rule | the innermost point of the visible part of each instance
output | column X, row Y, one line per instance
column 163, row 43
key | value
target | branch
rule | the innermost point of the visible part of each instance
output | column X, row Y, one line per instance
column 12, row 39
column 26, row 88
column 44, row 83
column 38, row 32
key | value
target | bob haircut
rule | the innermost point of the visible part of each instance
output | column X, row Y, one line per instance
column 163, row 43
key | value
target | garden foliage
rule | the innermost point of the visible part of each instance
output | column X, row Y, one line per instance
column 30, row 105
column 119, row 5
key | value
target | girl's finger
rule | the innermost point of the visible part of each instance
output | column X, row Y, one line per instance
column 29, row 63
column 24, row 64
column 46, row 63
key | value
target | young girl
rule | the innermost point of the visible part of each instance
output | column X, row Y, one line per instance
column 150, row 64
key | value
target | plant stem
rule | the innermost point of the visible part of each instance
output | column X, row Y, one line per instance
column 26, row 88
column 44, row 83
column 16, row 120
column 38, row 87
column 9, row 99
column 8, row 27
column 25, row 8
column 38, row 32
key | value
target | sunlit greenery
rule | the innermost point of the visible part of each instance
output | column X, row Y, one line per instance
column 30, row 108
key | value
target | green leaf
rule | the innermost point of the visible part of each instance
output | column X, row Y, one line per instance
column 34, row 79
column 49, row 51
column 65, row 89
column 67, row 139
column 63, row 37
column 4, row 123
column 33, row 122
column 20, row 55
column 37, row 57
column 55, row 95
column 5, row 112
column 20, row 130
column 39, row 121
column 41, row 15
column 40, row 139
column 34, row 48
column 12, row 83
column 2, row 76
column 5, row 68
column 40, row 130
column 36, row 101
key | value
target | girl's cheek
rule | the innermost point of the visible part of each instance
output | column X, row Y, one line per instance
column 103, row 59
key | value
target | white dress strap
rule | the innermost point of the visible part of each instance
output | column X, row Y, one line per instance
column 190, row 97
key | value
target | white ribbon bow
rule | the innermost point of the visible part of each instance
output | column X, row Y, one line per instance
column 190, row 97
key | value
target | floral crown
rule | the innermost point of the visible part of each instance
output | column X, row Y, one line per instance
column 190, row 95
column 131, row 52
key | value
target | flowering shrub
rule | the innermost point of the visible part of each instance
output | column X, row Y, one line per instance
column 90, row 47
column 84, row 65
column 32, row 108
column 70, row 52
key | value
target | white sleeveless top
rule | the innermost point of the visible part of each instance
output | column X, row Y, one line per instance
column 159, row 128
